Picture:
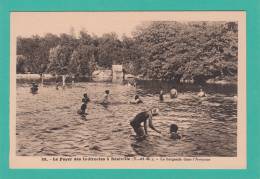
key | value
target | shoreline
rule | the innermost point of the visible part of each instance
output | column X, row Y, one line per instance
column 28, row 78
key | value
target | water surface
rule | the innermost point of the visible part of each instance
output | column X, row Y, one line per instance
column 47, row 123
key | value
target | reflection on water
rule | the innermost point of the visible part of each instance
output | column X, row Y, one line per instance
column 48, row 123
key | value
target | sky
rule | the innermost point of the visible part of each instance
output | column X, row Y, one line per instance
column 57, row 23
column 39, row 23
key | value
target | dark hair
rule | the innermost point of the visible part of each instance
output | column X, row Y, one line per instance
column 136, row 96
column 85, row 95
column 173, row 128
column 107, row 91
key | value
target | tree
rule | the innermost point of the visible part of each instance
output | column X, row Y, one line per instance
column 109, row 50
column 59, row 60
column 164, row 50
column 83, row 60
column 195, row 50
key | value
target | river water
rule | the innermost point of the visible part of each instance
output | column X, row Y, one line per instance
column 48, row 124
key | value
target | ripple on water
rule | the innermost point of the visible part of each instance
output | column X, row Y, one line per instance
column 47, row 123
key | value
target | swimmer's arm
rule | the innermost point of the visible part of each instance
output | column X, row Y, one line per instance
column 151, row 124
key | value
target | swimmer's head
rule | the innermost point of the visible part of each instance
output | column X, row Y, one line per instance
column 173, row 128
column 136, row 96
column 107, row 91
column 155, row 111
column 85, row 95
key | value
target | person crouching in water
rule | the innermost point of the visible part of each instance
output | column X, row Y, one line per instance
column 85, row 100
column 202, row 93
column 137, row 100
column 34, row 88
column 144, row 117
column 174, row 132
column 173, row 93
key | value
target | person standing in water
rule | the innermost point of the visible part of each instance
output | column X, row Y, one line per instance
column 174, row 132
column 144, row 117
column 173, row 93
column 105, row 97
column 161, row 95
column 202, row 93
column 85, row 100
column 57, row 84
column 34, row 88
column 63, row 81
column 42, row 78
column 73, row 80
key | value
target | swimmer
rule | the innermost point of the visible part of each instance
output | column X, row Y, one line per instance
column 173, row 132
column 34, row 88
column 105, row 97
column 85, row 98
column 173, row 93
column 202, row 93
column 161, row 95
column 137, row 100
column 144, row 117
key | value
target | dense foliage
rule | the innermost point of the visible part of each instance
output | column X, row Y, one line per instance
column 158, row 50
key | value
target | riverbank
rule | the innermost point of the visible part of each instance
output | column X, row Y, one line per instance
column 48, row 78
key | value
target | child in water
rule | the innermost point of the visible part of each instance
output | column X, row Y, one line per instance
column 105, row 98
column 85, row 98
column 137, row 100
column 34, row 88
column 173, row 132
column 83, row 107
column 202, row 93
column 173, row 93
column 161, row 95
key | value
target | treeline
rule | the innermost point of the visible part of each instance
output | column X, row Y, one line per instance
column 158, row 50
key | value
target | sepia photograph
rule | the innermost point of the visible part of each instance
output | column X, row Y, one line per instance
column 149, row 87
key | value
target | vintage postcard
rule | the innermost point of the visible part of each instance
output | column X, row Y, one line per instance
column 128, row 90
